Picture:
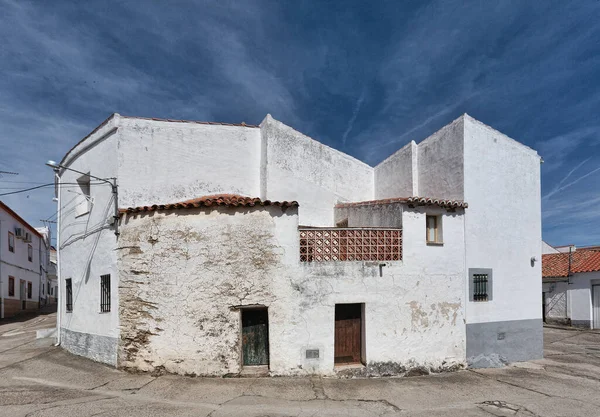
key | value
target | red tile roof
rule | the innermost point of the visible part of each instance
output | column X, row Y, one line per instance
column 411, row 201
column 557, row 264
column 231, row 200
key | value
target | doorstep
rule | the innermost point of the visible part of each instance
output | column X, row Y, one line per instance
column 254, row 371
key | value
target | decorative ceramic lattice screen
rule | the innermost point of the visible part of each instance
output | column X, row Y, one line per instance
column 336, row 244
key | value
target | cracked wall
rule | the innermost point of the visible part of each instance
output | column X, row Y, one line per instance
column 182, row 272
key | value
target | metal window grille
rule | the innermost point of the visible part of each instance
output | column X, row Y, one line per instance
column 322, row 245
column 29, row 290
column 105, row 293
column 480, row 287
column 69, row 294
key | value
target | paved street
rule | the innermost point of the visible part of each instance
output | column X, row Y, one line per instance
column 37, row 379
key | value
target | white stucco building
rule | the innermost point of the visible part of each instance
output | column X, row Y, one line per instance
column 571, row 287
column 242, row 247
column 23, row 264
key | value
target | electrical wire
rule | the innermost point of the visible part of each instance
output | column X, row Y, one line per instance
column 42, row 186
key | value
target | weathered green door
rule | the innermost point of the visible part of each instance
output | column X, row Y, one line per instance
column 255, row 337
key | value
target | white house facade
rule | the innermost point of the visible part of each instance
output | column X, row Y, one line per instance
column 571, row 287
column 230, row 248
column 23, row 256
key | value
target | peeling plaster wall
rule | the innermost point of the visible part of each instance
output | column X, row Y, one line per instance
column 87, row 245
column 182, row 271
column 166, row 162
column 556, row 299
column 397, row 176
column 296, row 167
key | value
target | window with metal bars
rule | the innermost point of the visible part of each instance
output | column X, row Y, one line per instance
column 481, row 284
column 105, row 293
column 69, row 294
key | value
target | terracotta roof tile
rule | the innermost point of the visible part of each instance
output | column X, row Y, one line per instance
column 231, row 200
column 557, row 264
column 411, row 201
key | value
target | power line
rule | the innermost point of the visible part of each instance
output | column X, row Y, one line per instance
column 42, row 186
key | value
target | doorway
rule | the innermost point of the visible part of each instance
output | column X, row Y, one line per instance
column 544, row 307
column 348, row 334
column 596, row 306
column 255, row 337
column 22, row 295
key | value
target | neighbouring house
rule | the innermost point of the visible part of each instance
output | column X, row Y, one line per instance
column 571, row 287
column 23, row 255
column 52, row 284
column 227, row 249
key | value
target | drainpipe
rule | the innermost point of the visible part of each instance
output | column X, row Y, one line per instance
column 58, row 274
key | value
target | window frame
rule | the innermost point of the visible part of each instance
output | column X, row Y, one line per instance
column 11, row 280
column 30, row 252
column 437, row 229
column 11, row 246
column 489, row 284
column 29, row 290
column 105, row 304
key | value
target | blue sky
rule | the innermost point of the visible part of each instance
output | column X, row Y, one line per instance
column 363, row 77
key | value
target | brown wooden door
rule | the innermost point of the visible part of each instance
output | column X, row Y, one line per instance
column 348, row 324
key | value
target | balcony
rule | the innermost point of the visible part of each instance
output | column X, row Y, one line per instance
column 350, row 244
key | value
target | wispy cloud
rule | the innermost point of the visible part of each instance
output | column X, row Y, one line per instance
column 359, row 102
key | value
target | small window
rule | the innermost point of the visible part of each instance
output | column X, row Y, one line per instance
column 30, row 253
column 11, row 286
column 69, row 293
column 29, row 290
column 105, row 293
column 480, row 284
column 84, row 196
column 11, row 242
column 434, row 229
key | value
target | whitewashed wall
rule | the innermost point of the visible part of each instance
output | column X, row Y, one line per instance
column 87, row 249
column 379, row 215
column 398, row 175
column 580, row 298
column 182, row 272
column 165, row 162
column 503, row 223
column 296, row 167
column 441, row 169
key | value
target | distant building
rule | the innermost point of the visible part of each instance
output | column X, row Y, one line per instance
column 23, row 264
column 571, row 286
column 242, row 248
column 52, row 284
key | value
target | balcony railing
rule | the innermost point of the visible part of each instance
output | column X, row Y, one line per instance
column 344, row 244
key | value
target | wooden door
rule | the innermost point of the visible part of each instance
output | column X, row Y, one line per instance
column 596, row 306
column 348, row 334
column 255, row 337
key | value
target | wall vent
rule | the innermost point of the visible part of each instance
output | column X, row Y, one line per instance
column 312, row 353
